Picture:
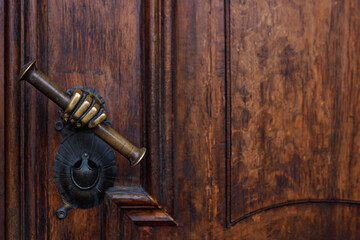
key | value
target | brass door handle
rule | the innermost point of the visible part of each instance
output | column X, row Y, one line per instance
column 49, row 88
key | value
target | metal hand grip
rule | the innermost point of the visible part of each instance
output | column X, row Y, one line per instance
column 55, row 93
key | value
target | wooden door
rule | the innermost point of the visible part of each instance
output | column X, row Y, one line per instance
column 249, row 111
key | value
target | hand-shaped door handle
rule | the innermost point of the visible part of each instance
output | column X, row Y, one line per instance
column 39, row 80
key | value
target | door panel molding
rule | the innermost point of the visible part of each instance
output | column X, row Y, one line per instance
column 12, row 120
column 139, row 206
column 2, row 123
column 297, row 202
column 284, row 115
column 159, row 51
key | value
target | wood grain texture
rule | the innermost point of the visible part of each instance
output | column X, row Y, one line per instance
column 139, row 206
column 306, row 221
column 293, row 96
column 244, row 106
column 75, row 43
column 150, row 217
column 130, row 196
column 12, row 96
column 93, row 54
column 88, row 48
column 2, row 123
column 34, row 126
column 111, row 215
column 129, row 208
column 200, row 89
column 158, row 51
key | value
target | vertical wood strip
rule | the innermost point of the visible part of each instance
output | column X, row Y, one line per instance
column 34, row 111
column 2, row 123
column 158, row 57
column 112, row 220
column 12, row 120
column 227, row 113
column 150, row 74
column 167, row 75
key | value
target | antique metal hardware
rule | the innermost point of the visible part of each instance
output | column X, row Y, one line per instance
column 31, row 74
column 85, row 165
column 84, row 168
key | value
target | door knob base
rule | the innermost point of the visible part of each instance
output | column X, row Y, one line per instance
column 84, row 169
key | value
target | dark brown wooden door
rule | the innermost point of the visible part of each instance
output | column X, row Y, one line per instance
column 249, row 110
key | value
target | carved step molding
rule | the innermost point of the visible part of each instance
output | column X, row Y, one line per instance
column 139, row 206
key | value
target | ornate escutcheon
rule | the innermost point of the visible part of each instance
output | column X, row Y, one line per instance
column 84, row 169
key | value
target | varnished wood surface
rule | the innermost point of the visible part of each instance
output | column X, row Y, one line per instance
column 294, row 103
column 35, row 223
column 243, row 105
column 133, row 196
column 2, row 125
column 75, row 43
column 138, row 206
column 12, row 120
column 111, row 229
column 207, row 100
column 93, row 54
column 150, row 217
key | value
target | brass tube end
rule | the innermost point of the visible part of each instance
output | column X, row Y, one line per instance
column 26, row 69
column 139, row 157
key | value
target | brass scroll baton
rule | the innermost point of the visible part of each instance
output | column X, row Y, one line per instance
column 55, row 93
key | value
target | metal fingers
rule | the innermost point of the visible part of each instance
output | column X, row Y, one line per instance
column 81, row 109
column 84, row 109
column 99, row 119
column 90, row 114
column 75, row 98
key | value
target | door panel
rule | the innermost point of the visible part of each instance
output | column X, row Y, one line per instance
column 2, row 125
column 248, row 110
column 294, row 111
